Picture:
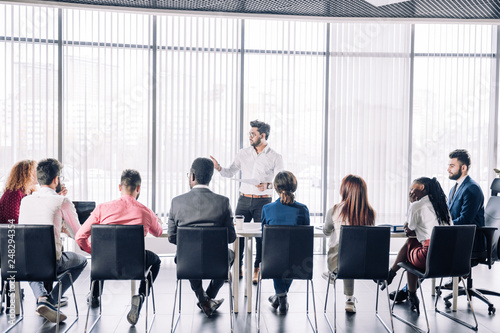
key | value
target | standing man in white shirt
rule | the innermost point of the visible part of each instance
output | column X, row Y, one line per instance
column 46, row 207
column 258, row 163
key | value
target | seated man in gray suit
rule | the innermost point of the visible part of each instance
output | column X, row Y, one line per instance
column 201, row 206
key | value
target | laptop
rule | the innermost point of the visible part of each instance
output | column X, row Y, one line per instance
column 83, row 209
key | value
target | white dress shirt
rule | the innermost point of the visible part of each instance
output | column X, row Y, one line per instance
column 46, row 207
column 261, row 167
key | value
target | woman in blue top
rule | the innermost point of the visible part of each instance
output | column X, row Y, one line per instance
column 284, row 211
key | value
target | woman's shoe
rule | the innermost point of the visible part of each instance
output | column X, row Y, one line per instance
column 414, row 302
column 390, row 277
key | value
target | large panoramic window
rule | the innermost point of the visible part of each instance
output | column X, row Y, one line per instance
column 114, row 90
column 453, row 93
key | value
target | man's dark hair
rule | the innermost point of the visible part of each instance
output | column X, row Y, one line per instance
column 202, row 169
column 130, row 179
column 262, row 127
column 462, row 156
column 47, row 170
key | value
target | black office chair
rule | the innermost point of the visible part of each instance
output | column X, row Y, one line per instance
column 287, row 253
column 363, row 255
column 202, row 254
column 449, row 255
column 491, row 233
column 28, row 253
column 118, row 254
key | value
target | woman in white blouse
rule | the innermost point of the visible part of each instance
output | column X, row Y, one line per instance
column 427, row 209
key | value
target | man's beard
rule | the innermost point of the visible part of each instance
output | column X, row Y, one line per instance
column 256, row 143
column 457, row 175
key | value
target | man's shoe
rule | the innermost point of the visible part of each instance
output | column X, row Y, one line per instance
column 216, row 303
column 283, row 307
column 206, row 307
column 135, row 309
column 94, row 301
column 400, row 297
column 255, row 277
column 350, row 306
column 47, row 310
column 275, row 302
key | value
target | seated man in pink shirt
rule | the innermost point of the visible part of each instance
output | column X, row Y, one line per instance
column 127, row 211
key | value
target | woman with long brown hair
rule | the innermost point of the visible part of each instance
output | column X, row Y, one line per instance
column 20, row 183
column 354, row 209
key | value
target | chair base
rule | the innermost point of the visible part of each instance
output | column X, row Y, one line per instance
column 478, row 293
column 178, row 287
column 147, row 330
column 332, row 277
column 258, row 302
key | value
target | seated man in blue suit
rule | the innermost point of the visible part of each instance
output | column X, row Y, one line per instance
column 466, row 199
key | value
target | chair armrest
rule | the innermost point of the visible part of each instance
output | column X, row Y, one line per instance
column 488, row 232
column 412, row 269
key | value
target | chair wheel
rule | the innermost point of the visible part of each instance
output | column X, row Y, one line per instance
column 491, row 309
column 447, row 304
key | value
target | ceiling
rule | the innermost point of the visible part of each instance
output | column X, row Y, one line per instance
column 419, row 9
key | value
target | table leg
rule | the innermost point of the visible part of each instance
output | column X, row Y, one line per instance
column 455, row 294
column 236, row 273
column 433, row 290
column 249, row 256
column 18, row 299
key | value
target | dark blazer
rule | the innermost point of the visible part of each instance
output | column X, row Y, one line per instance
column 200, row 207
column 467, row 207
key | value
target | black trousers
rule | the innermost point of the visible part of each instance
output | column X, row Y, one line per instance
column 213, row 287
column 251, row 208
column 153, row 261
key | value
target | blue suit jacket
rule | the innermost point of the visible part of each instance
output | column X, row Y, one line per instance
column 467, row 207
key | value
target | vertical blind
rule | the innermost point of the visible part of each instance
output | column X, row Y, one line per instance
column 369, row 113
column 387, row 101
column 28, row 85
column 452, row 99
column 107, row 93
column 285, row 87
column 198, row 100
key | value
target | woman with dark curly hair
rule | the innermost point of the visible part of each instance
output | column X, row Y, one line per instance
column 427, row 209
column 21, row 182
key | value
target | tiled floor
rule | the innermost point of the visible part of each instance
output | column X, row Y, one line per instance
column 116, row 300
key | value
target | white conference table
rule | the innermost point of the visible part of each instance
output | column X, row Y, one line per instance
column 251, row 230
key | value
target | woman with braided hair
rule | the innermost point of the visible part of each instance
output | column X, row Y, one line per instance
column 427, row 209
column 284, row 211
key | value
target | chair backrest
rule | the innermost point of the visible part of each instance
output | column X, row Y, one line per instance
column 364, row 252
column 117, row 252
column 202, row 253
column 492, row 217
column 83, row 209
column 450, row 251
column 287, row 252
column 29, row 251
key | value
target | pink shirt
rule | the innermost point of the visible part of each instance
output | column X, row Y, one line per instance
column 127, row 211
